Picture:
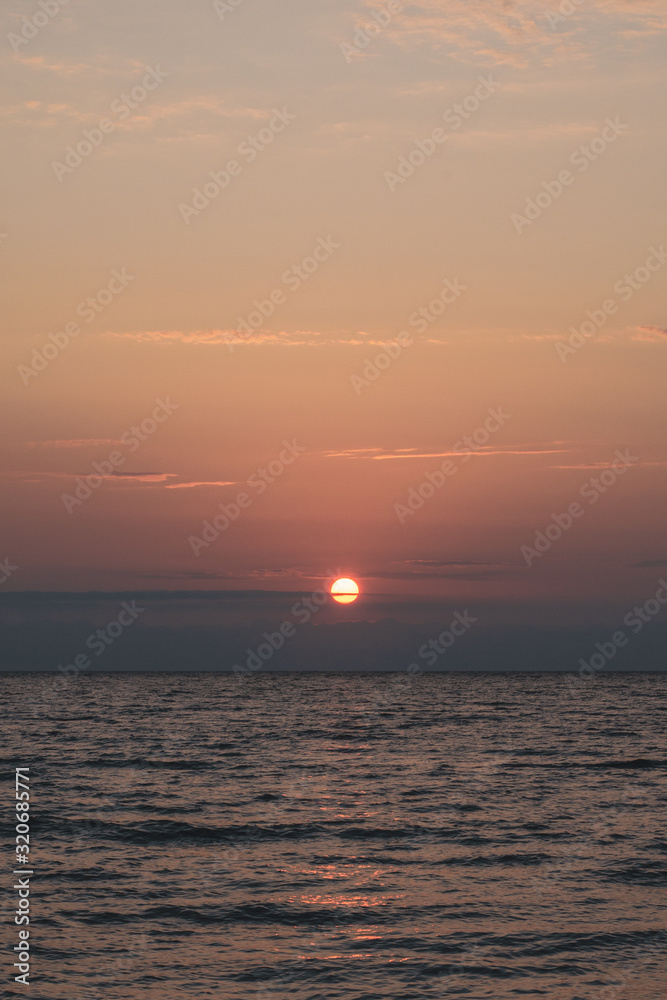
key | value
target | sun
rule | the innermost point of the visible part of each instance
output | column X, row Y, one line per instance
column 344, row 591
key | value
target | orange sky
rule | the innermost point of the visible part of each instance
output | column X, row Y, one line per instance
column 533, row 209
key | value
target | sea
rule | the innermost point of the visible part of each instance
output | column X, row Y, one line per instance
column 340, row 837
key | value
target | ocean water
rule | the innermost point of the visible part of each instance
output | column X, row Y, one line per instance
column 342, row 837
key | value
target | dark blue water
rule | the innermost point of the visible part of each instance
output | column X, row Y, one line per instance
column 344, row 837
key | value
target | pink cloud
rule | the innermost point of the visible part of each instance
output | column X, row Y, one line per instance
column 193, row 485
column 650, row 334
column 71, row 443
column 518, row 32
column 379, row 454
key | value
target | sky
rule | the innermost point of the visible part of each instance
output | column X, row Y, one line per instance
column 417, row 320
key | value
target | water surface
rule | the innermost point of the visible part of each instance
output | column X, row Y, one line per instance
column 345, row 837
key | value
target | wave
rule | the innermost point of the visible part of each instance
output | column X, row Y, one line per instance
column 148, row 762
column 639, row 873
column 639, row 763
column 268, row 913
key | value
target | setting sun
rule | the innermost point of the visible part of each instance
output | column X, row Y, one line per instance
column 344, row 591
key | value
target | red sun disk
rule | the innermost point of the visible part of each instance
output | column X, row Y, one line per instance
column 345, row 590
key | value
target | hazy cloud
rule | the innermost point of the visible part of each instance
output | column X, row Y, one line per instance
column 518, row 32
